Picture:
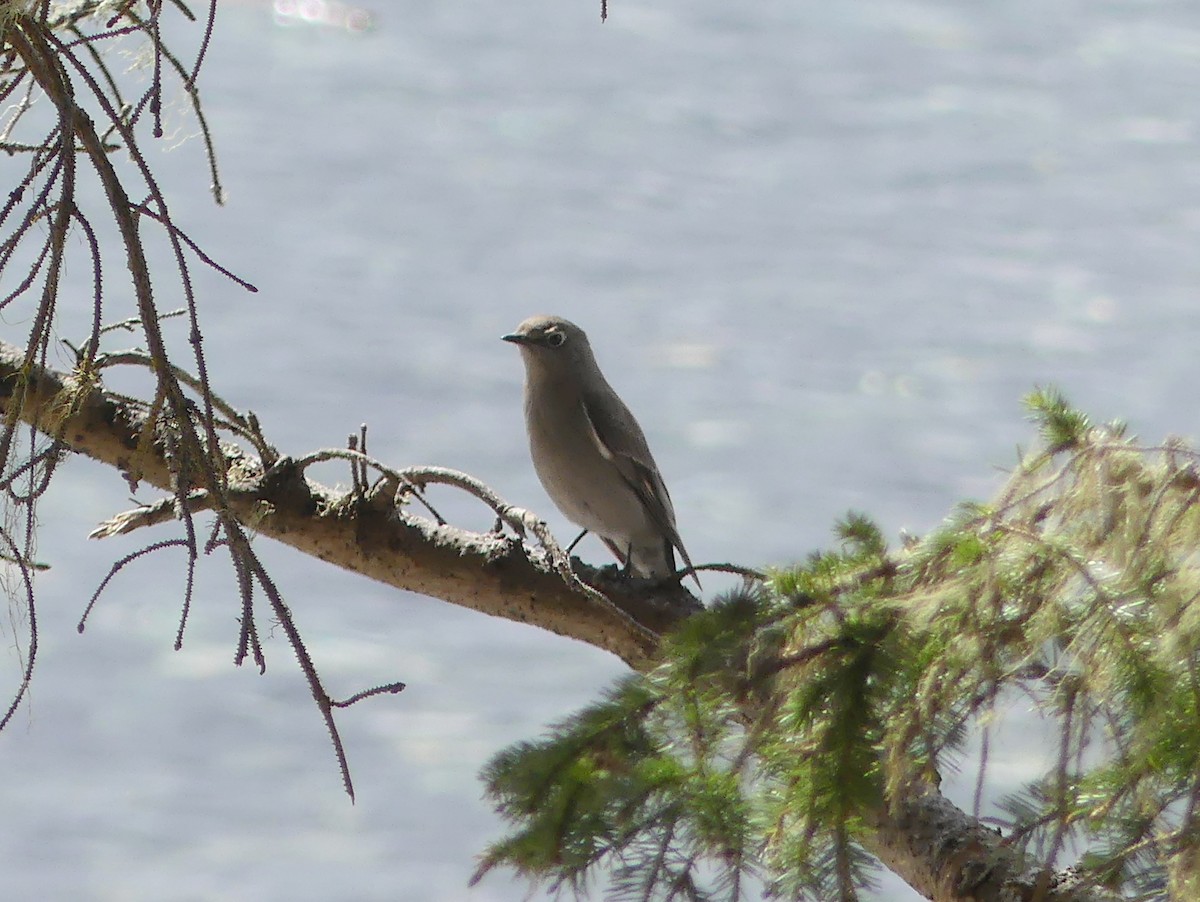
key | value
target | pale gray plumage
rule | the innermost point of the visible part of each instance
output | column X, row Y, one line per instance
column 589, row 451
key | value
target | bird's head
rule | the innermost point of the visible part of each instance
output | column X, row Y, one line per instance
column 551, row 341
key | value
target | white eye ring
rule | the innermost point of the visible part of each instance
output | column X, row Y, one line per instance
column 555, row 339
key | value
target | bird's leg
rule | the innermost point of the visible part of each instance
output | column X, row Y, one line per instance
column 628, row 571
column 578, row 538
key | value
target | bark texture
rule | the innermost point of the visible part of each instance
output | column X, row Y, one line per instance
column 492, row 573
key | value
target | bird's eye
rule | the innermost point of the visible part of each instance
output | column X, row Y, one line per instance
column 555, row 339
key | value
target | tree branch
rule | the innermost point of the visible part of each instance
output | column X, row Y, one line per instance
column 492, row 573
column 949, row 856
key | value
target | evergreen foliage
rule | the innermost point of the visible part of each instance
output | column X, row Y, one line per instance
column 788, row 710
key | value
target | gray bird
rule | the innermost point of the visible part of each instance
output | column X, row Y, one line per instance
column 589, row 451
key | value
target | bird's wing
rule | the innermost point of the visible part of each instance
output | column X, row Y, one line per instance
column 621, row 440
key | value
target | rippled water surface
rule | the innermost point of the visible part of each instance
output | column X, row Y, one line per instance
column 821, row 249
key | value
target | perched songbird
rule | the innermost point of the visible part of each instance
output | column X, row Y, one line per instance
column 589, row 451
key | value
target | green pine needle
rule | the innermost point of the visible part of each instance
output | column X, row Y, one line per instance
column 783, row 713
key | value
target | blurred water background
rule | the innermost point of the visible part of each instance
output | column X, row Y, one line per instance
column 821, row 249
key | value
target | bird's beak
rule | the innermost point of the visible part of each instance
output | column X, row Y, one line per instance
column 516, row 338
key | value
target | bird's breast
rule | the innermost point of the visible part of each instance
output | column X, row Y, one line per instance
column 580, row 479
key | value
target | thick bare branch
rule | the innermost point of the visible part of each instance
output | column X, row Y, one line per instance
column 491, row 573
column 949, row 856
